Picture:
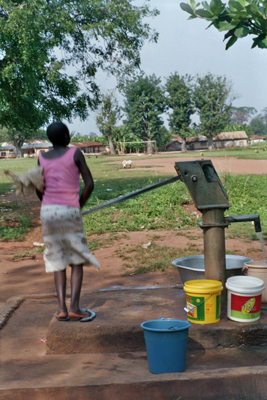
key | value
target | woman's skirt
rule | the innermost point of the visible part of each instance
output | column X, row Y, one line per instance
column 64, row 238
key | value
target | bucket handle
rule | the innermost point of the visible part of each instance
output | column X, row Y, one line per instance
column 191, row 307
column 171, row 328
column 245, row 270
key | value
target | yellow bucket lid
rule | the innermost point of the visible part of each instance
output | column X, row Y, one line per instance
column 203, row 286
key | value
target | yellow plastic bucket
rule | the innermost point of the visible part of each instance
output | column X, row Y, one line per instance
column 203, row 301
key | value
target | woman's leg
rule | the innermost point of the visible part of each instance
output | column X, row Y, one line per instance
column 76, row 286
column 60, row 283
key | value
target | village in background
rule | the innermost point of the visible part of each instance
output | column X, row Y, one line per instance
column 221, row 141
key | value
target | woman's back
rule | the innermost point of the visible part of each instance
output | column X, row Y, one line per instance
column 61, row 176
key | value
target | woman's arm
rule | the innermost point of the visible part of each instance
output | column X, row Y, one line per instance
column 86, row 175
column 39, row 194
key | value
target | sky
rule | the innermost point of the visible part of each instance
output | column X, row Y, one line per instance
column 186, row 46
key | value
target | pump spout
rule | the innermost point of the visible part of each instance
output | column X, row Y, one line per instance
column 245, row 218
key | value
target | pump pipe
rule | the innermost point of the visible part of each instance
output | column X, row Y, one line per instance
column 244, row 218
column 132, row 194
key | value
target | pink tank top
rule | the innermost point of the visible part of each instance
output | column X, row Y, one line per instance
column 61, row 176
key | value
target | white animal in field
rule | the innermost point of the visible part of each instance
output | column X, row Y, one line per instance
column 126, row 164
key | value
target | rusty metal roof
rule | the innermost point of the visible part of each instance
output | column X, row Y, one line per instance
column 258, row 137
column 231, row 135
column 199, row 138
column 86, row 144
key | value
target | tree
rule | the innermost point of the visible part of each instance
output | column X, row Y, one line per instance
column 107, row 118
column 237, row 127
column 77, row 137
column 164, row 137
column 179, row 100
column 239, row 18
column 42, row 39
column 3, row 135
column 258, row 124
column 213, row 101
column 126, row 141
column 240, row 115
column 144, row 104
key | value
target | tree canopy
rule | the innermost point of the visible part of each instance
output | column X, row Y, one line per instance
column 179, row 100
column 239, row 18
column 258, row 124
column 51, row 50
column 212, row 96
column 144, row 104
column 108, row 115
column 241, row 115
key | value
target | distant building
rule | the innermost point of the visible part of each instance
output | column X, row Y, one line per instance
column 199, row 142
column 89, row 147
column 257, row 139
column 192, row 143
column 31, row 149
column 230, row 139
column 173, row 145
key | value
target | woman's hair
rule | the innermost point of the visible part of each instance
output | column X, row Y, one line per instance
column 58, row 134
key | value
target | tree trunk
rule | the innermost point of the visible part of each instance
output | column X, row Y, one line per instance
column 149, row 146
column 184, row 149
column 112, row 150
column 18, row 152
column 210, row 142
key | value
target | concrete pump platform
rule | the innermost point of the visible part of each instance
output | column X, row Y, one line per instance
column 42, row 358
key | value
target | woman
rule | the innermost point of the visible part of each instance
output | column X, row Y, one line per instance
column 62, row 225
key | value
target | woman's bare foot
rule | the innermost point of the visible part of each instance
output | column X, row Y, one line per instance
column 81, row 313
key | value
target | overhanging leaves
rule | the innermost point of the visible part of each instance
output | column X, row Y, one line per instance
column 230, row 42
column 186, row 7
column 245, row 17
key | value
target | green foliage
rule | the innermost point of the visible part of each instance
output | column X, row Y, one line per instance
column 247, row 195
column 76, row 137
column 179, row 100
column 173, row 397
column 258, row 124
column 158, row 209
column 212, row 101
column 239, row 18
column 3, row 135
column 40, row 39
column 144, row 104
column 124, row 135
column 14, row 231
column 162, row 208
column 40, row 134
column 108, row 115
column 97, row 242
column 239, row 127
column 138, row 260
column 164, row 137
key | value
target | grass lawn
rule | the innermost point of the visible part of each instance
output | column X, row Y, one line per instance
column 162, row 208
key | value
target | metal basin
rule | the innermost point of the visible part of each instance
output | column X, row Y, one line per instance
column 193, row 267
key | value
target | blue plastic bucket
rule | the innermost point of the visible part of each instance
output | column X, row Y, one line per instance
column 166, row 344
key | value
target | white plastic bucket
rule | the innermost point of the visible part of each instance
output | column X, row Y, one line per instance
column 244, row 298
column 258, row 270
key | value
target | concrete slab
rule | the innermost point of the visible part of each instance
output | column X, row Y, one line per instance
column 28, row 372
column 116, row 327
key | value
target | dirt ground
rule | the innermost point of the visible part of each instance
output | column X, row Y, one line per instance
column 26, row 275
